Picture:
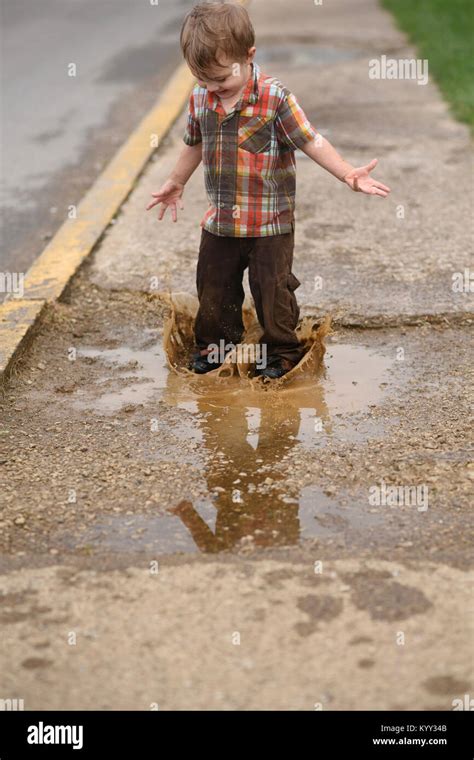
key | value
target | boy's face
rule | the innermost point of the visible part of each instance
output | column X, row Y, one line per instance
column 229, row 78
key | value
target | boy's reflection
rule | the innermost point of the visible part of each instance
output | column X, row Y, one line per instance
column 236, row 471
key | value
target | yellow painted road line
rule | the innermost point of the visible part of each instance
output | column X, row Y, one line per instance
column 16, row 320
column 51, row 272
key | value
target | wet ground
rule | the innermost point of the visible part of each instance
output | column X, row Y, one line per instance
column 309, row 548
column 127, row 494
column 53, row 147
column 94, row 420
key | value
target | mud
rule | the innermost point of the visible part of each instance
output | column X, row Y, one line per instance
column 114, row 457
column 156, row 521
column 242, row 361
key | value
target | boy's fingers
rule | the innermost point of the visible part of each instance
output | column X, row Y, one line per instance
column 361, row 170
column 173, row 212
column 161, row 197
column 371, row 165
column 382, row 186
column 162, row 210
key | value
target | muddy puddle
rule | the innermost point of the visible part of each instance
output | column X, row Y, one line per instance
column 231, row 520
column 238, row 437
column 308, row 400
column 351, row 380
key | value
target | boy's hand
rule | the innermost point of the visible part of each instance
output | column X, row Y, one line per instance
column 361, row 181
column 168, row 195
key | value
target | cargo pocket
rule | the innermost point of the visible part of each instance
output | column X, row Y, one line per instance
column 287, row 311
column 293, row 283
column 256, row 135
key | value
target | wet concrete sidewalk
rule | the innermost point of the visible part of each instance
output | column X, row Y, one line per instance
column 245, row 551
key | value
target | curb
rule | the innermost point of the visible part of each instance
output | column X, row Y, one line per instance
column 50, row 273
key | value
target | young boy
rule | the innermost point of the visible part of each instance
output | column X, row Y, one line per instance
column 245, row 126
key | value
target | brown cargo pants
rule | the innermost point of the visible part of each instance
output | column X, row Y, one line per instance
column 221, row 264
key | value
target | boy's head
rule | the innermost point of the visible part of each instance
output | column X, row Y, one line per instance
column 217, row 40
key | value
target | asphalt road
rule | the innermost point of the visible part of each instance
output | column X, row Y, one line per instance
column 57, row 130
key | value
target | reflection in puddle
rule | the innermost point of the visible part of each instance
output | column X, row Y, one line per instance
column 212, row 528
column 350, row 382
column 244, row 436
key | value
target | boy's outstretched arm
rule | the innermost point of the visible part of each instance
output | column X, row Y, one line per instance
column 171, row 191
column 321, row 151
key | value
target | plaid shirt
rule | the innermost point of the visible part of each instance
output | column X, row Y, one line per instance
column 248, row 156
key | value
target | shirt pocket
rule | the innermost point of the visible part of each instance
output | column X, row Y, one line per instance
column 256, row 135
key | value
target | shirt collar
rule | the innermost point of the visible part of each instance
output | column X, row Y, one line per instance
column 250, row 94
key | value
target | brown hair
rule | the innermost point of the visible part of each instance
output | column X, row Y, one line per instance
column 211, row 29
